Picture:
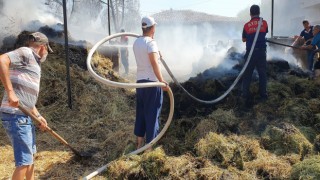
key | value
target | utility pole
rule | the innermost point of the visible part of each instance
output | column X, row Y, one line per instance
column 109, row 28
column 272, row 15
column 65, row 24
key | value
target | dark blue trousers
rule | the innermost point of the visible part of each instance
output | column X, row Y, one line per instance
column 148, row 108
column 258, row 61
column 310, row 60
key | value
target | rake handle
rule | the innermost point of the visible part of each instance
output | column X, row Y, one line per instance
column 48, row 129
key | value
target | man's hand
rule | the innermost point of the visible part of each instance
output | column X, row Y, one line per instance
column 13, row 99
column 43, row 125
column 166, row 88
column 306, row 47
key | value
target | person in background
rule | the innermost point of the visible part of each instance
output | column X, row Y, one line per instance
column 259, row 57
column 149, row 100
column 307, row 35
column 313, row 46
column 124, row 53
column 307, row 32
column 20, row 75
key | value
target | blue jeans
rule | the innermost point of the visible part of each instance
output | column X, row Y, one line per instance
column 258, row 61
column 21, row 132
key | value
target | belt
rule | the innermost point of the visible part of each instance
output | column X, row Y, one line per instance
column 14, row 115
column 258, row 49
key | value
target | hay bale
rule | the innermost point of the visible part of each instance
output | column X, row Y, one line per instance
column 276, row 95
column 202, row 129
column 218, row 121
column 182, row 167
column 314, row 105
column 298, row 111
column 104, row 67
column 269, row 166
column 189, row 167
column 153, row 163
column 124, row 168
column 156, row 165
column 317, row 118
column 215, row 147
column 150, row 165
column 316, row 143
column 232, row 150
column 307, row 169
column 284, row 139
column 303, row 88
column 226, row 120
column 309, row 132
column 249, row 147
column 269, row 110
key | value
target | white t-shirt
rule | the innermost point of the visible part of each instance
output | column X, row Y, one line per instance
column 141, row 48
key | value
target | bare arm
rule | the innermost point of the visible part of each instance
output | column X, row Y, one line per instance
column 5, row 79
column 43, row 124
column 309, row 40
column 156, row 69
column 308, row 47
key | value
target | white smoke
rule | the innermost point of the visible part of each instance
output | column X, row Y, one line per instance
column 21, row 15
column 188, row 49
column 88, row 23
column 191, row 49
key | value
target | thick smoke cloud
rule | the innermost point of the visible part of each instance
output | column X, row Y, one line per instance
column 191, row 49
column 188, row 49
column 21, row 15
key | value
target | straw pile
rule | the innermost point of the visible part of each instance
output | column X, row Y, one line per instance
column 277, row 139
column 307, row 169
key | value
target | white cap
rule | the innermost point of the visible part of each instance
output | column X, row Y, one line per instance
column 147, row 22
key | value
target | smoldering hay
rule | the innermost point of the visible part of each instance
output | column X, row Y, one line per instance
column 251, row 139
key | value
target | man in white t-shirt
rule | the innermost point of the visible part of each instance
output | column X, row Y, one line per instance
column 149, row 100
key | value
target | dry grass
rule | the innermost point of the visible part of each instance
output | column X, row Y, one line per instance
column 218, row 121
column 270, row 166
column 226, row 151
column 286, row 139
column 6, row 162
column 307, row 169
column 157, row 165
column 200, row 145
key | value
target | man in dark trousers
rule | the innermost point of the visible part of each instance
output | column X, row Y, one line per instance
column 149, row 100
column 312, row 47
column 307, row 35
column 259, row 56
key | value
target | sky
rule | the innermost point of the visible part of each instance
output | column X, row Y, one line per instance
column 228, row 8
